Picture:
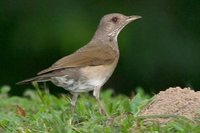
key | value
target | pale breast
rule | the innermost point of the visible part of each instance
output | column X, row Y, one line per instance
column 98, row 75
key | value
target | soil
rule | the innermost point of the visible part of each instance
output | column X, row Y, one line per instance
column 176, row 102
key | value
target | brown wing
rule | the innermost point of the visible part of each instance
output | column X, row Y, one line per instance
column 90, row 55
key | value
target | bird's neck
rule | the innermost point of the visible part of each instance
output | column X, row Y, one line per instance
column 106, row 38
column 107, row 41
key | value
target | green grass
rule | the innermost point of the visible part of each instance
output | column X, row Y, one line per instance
column 40, row 112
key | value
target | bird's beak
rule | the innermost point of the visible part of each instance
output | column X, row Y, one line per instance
column 132, row 18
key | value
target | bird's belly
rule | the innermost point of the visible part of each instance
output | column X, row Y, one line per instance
column 72, row 85
column 89, row 78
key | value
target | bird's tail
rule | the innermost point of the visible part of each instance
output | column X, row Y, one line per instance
column 41, row 78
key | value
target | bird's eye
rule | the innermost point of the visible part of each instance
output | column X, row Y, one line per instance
column 114, row 19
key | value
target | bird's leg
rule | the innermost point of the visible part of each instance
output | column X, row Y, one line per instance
column 96, row 93
column 73, row 101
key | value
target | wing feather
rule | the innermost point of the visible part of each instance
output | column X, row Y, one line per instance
column 90, row 55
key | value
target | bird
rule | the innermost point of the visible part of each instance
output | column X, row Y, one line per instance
column 90, row 67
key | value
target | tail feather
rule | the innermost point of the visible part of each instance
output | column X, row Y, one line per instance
column 41, row 78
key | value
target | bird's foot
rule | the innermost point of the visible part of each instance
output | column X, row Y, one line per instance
column 102, row 108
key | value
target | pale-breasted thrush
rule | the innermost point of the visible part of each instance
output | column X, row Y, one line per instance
column 88, row 68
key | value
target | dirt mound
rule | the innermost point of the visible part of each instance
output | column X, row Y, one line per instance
column 174, row 101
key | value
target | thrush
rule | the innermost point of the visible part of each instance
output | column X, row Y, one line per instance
column 88, row 68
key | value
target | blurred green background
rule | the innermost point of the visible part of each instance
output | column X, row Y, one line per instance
column 158, row 51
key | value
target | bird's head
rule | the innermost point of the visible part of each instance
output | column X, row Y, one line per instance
column 111, row 24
